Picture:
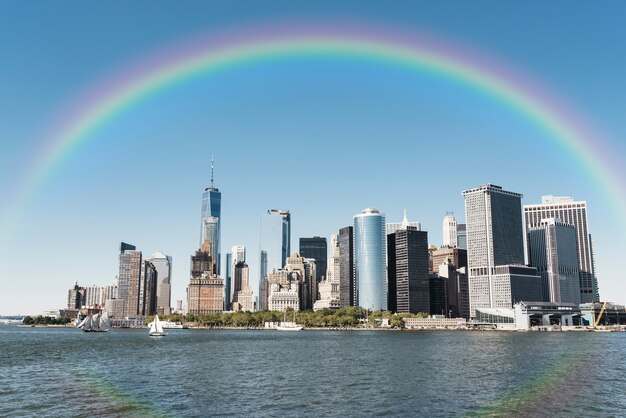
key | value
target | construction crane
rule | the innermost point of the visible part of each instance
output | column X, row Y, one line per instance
column 595, row 325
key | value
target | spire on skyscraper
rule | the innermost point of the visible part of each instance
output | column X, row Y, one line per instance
column 212, row 169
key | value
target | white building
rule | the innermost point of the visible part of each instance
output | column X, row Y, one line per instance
column 449, row 231
column 392, row 227
column 281, row 298
column 573, row 213
column 495, row 250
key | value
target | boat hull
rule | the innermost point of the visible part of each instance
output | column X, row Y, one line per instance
column 157, row 334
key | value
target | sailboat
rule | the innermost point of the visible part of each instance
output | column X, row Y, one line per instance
column 95, row 323
column 156, row 328
column 289, row 326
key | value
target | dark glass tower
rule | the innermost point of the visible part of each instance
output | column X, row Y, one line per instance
column 210, row 219
column 347, row 288
column 316, row 248
column 407, row 269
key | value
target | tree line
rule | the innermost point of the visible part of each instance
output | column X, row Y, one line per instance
column 326, row 318
column 46, row 320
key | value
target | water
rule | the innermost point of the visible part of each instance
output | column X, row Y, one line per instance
column 124, row 373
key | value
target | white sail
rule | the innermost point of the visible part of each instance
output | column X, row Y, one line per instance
column 82, row 323
column 95, row 322
column 105, row 323
column 156, row 328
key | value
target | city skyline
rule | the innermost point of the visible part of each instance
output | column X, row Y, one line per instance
column 322, row 135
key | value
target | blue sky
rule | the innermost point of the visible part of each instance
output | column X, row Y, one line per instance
column 323, row 138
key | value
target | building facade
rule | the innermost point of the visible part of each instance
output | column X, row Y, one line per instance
column 449, row 231
column 210, row 219
column 316, row 248
column 551, row 248
column 129, row 279
column 347, row 288
column 205, row 293
column 370, row 255
column 407, row 270
column 494, row 243
column 163, row 265
column 573, row 213
column 243, row 299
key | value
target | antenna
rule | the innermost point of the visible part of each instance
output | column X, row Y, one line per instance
column 212, row 167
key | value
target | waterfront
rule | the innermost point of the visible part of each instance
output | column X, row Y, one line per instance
column 64, row 372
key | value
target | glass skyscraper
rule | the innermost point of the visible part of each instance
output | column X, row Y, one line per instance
column 370, row 254
column 210, row 217
column 316, row 248
column 275, row 245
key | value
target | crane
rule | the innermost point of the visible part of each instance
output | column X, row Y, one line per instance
column 595, row 325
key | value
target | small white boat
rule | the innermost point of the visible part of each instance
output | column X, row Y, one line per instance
column 156, row 329
column 289, row 326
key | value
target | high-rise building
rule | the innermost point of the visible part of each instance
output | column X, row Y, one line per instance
column 407, row 271
column 237, row 255
column 370, row 256
column 205, row 293
column 163, row 265
column 573, row 213
column 148, row 289
column 243, row 299
column 328, row 289
column 210, row 219
column 552, row 250
column 457, row 290
column 495, row 249
column 275, row 246
column 228, row 282
column 317, row 249
column 347, row 288
column 461, row 236
column 129, row 279
column 449, row 230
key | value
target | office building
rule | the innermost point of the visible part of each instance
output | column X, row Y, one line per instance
column 148, row 289
column 316, row 248
column 552, row 250
column 163, row 265
column 407, row 271
column 228, row 283
column 347, row 288
column 275, row 246
column 370, row 256
column 570, row 212
column 495, row 249
column 449, row 230
column 328, row 289
column 457, row 290
column 243, row 299
column 210, row 219
column 129, row 279
column 205, row 293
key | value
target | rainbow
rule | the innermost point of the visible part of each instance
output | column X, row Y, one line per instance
column 414, row 51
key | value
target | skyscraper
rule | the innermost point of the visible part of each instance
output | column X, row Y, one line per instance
column 237, row 254
column 210, row 228
column 148, row 289
column 370, row 256
column 552, row 250
column 317, row 249
column 449, row 230
column 495, row 244
column 407, row 269
column 228, row 282
column 275, row 246
column 163, row 265
column 347, row 288
column 205, row 293
column 129, row 277
column 573, row 213
column 243, row 299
